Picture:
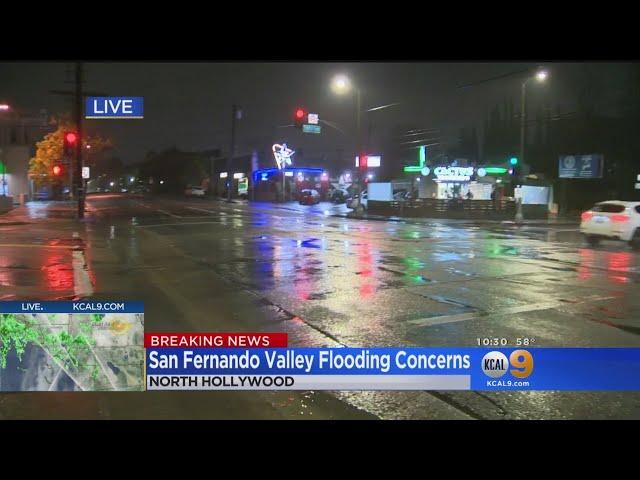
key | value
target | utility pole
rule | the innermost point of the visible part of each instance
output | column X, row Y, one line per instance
column 359, row 177
column 77, row 97
column 523, row 119
column 77, row 114
column 232, row 149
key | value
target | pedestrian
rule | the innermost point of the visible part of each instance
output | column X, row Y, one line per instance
column 469, row 195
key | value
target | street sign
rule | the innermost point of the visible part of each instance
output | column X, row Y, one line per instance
column 312, row 118
column 580, row 166
column 307, row 128
column 85, row 173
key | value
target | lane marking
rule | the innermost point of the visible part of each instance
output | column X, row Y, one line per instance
column 215, row 222
column 168, row 213
column 533, row 307
column 201, row 210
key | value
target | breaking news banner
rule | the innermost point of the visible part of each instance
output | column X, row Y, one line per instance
column 393, row 369
column 71, row 346
column 224, row 339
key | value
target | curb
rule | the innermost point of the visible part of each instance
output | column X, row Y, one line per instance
column 525, row 223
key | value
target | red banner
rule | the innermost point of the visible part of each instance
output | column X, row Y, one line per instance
column 215, row 340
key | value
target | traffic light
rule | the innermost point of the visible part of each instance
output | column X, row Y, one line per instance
column 363, row 161
column 514, row 168
column 57, row 170
column 299, row 117
column 70, row 141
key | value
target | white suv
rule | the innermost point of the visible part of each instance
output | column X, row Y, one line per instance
column 614, row 220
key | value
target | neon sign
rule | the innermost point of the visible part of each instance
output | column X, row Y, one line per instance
column 454, row 174
column 423, row 160
column 282, row 154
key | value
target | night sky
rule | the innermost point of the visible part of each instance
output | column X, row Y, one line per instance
column 187, row 105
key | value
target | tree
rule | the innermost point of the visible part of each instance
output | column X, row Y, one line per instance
column 49, row 153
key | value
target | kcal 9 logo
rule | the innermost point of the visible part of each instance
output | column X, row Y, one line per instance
column 495, row 364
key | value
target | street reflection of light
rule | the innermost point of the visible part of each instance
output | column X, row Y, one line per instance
column 413, row 265
column 5, row 275
column 58, row 272
column 303, row 282
column 618, row 262
column 367, row 268
column 446, row 256
column 367, row 290
column 277, row 261
column 586, row 261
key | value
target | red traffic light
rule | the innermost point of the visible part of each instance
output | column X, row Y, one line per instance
column 70, row 142
column 299, row 117
column 70, row 137
column 57, row 170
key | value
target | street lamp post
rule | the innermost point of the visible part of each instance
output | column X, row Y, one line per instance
column 342, row 85
column 540, row 76
column 4, row 107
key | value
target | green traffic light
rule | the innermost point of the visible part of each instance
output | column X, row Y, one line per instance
column 513, row 161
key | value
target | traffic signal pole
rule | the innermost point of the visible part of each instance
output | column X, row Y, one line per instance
column 78, row 164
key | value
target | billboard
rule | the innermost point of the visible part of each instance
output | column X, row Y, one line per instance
column 580, row 166
column 373, row 161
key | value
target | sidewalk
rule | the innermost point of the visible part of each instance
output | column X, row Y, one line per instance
column 563, row 221
column 6, row 204
column 34, row 211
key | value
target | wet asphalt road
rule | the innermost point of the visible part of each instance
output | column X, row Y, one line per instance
column 205, row 265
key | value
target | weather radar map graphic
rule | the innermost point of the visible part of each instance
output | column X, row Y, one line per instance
column 71, row 351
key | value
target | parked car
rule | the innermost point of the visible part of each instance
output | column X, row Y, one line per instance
column 139, row 189
column 612, row 220
column 339, row 195
column 194, row 191
column 309, row 197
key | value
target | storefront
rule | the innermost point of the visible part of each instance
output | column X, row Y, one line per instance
column 450, row 182
column 239, row 183
column 273, row 184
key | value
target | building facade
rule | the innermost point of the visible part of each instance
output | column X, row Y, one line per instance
column 19, row 133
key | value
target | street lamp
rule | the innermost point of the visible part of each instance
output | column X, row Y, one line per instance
column 540, row 77
column 341, row 85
